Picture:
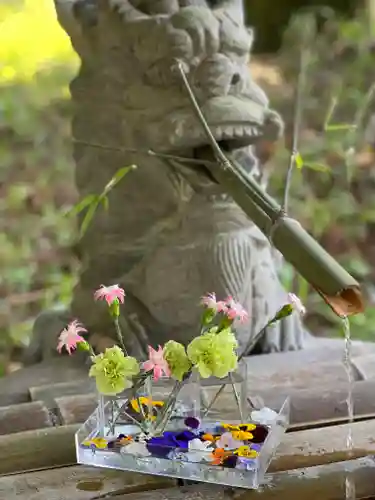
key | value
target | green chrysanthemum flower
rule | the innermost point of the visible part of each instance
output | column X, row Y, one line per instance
column 113, row 371
column 214, row 353
column 176, row 357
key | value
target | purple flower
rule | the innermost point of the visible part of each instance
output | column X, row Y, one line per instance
column 256, row 447
column 161, row 446
column 259, row 433
column 181, row 439
column 230, row 461
column 192, row 422
column 246, row 463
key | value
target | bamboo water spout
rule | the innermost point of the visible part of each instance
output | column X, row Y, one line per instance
column 337, row 287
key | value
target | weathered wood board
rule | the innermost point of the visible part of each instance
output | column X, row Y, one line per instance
column 55, row 447
column 86, row 483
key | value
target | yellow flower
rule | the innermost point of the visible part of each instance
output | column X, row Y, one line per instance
column 99, row 443
column 144, row 402
column 242, row 435
column 246, row 451
column 239, row 427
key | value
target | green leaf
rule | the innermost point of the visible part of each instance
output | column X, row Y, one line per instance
column 104, row 201
column 330, row 111
column 81, row 205
column 117, row 178
column 318, row 167
column 340, row 126
column 88, row 217
column 298, row 161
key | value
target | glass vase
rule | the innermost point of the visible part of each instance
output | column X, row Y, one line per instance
column 203, row 430
column 149, row 408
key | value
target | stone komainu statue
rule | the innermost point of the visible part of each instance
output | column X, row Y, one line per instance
column 170, row 235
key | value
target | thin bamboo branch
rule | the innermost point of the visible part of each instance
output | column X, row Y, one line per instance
column 145, row 152
column 340, row 290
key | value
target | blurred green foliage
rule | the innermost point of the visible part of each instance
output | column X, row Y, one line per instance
column 37, row 186
column 332, row 190
column 36, row 169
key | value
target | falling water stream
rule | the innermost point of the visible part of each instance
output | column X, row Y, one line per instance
column 350, row 493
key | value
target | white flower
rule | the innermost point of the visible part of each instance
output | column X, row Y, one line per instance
column 136, row 449
column 199, row 451
column 265, row 416
column 296, row 303
column 228, row 442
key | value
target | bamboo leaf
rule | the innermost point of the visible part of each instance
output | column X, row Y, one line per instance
column 81, row 205
column 318, row 167
column 330, row 112
column 88, row 217
column 299, row 161
column 120, row 174
column 340, row 126
column 104, row 201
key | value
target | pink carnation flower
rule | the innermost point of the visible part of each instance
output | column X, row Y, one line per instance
column 296, row 303
column 69, row 337
column 110, row 294
column 234, row 310
column 210, row 302
column 157, row 363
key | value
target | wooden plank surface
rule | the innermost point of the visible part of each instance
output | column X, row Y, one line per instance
column 23, row 417
column 323, row 446
column 76, row 409
column 324, row 402
column 55, row 446
column 318, row 483
column 324, row 482
column 297, row 369
column 37, row 449
column 48, row 392
column 76, row 483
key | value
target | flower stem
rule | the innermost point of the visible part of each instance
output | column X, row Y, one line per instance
column 162, row 421
column 237, row 398
column 119, row 334
column 251, row 343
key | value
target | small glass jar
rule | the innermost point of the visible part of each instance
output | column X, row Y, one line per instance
column 150, row 407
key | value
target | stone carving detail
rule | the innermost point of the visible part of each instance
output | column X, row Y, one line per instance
column 170, row 234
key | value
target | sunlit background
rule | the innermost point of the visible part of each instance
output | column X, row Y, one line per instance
column 38, row 266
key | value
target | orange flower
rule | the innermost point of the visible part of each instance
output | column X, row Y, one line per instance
column 219, row 455
column 125, row 440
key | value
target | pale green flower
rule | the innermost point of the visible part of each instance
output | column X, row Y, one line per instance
column 113, row 371
column 213, row 354
column 175, row 356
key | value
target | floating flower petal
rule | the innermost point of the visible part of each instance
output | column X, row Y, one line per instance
column 228, row 442
column 265, row 416
column 199, row 451
column 137, row 449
